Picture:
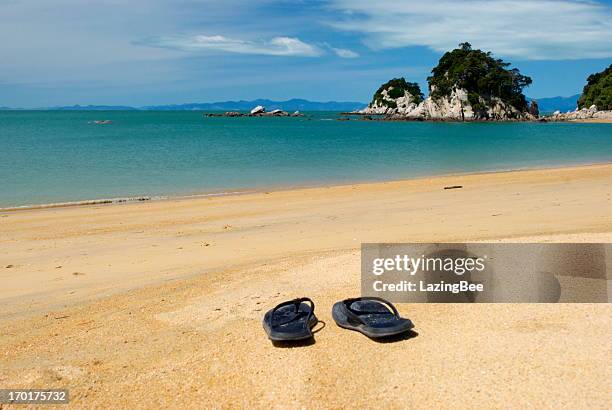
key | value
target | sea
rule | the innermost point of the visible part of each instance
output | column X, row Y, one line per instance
column 64, row 156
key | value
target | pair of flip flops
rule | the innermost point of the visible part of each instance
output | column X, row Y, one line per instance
column 374, row 317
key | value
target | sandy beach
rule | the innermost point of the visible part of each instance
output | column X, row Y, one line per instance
column 160, row 303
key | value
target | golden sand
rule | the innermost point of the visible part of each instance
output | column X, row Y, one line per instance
column 160, row 303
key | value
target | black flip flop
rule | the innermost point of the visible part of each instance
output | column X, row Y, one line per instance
column 290, row 321
column 370, row 316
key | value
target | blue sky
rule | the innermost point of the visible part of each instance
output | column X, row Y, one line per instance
column 142, row 52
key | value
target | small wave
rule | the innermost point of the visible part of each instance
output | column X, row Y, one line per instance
column 104, row 201
column 84, row 202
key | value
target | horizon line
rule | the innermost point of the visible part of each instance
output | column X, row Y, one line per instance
column 6, row 107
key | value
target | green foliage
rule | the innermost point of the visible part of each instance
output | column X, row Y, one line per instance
column 396, row 88
column 598, row 91
column 481, row 75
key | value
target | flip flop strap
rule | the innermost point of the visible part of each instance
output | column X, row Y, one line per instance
column 351, row 315
column 297, row 303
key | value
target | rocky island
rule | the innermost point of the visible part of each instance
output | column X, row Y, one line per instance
column 259, row 111
column 466, row 85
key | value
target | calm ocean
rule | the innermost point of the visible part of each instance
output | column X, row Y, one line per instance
column 58, row 156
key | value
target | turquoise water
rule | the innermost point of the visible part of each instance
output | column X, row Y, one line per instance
column 53, row 156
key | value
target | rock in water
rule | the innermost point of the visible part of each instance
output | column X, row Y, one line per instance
column 258, row 110
column 466, row 85
column 534, row 109
column 591, row 113
column 273, row 113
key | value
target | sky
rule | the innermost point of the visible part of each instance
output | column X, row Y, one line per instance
column 148, row 52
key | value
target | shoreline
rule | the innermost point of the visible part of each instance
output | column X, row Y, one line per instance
column 278, row 188
column 541, row 119
column 591, row 121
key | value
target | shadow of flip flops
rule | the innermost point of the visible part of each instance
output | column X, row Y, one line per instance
column 397, row 338
column 291, row 344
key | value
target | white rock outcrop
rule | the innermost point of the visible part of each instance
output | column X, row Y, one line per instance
column 591, row 113
column 455, row 107
column 403, row 105
column 258, row 110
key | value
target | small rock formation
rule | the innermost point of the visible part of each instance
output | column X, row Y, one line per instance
column 277, row 113
column 591, row 113
column 258, row 110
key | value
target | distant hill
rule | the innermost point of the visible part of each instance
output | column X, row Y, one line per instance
column 552, row 104
column 295, row 104
column 92, row 108
column 289, row 105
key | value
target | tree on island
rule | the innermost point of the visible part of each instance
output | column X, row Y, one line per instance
column 481, row 75
column 598, row 91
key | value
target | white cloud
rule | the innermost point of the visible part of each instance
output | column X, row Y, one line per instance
column 276, row 46
column 345, row 53
column 524, row 29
